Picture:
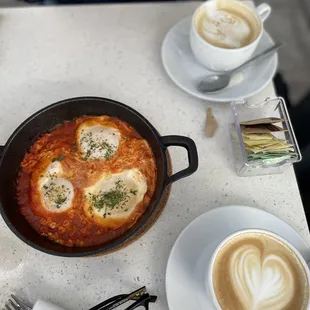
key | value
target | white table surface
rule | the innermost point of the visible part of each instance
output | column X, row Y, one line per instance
column 51, row 53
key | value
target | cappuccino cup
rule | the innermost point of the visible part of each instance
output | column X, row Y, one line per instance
column 256, row 269
column 225, row 33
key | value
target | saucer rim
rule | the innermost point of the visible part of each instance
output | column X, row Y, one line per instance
column 211, row 97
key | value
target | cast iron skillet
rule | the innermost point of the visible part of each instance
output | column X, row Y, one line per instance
column 45, row 120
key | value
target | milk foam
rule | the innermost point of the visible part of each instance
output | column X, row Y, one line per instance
column 261, row 283
column 222, row 27
column 256, row 271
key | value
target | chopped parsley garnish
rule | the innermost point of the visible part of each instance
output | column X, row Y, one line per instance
column 74, row 149
column 133, row 191
column 116, row 197
column 52, row 176
column 109, row 150
column 58, row 158
column 60, row 200
column 96, row 145
column 56, row 193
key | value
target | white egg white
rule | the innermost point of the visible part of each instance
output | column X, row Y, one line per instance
column 56, row 192
column 116, row 195
column 97, row 141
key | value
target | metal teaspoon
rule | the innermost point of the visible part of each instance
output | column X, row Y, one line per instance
column 219, row 81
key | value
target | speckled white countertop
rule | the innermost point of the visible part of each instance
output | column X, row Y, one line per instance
column 48, row 54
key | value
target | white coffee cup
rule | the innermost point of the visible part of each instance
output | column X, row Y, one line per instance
column 223, row 59
column 210, row 291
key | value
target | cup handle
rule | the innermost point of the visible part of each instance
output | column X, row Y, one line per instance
column 263, row 11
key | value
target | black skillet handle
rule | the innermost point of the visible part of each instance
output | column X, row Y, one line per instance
column 1, row 150
column 190, row 146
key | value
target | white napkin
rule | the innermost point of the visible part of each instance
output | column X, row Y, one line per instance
column 44, row 305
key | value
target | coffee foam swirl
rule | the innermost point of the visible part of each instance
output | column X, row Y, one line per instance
column 256, row 271
column 225, row 28
column 261, row 283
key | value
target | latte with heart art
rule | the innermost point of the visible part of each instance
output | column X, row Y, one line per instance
column 257, row 271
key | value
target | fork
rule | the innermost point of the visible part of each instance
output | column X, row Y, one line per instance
column 17, row 304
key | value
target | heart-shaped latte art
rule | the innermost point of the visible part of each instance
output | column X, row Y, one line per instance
column 261, row 283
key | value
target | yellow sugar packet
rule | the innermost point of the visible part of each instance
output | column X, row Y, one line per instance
column 256, row 142
column 277, row 148
column 258, row 136
column 253, row 149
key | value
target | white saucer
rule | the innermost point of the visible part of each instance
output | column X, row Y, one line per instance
column 186, row 264
column 185, row 71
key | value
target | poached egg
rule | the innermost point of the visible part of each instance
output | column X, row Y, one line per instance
column 56, row 192
column 97, row 141
column 115, row 196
